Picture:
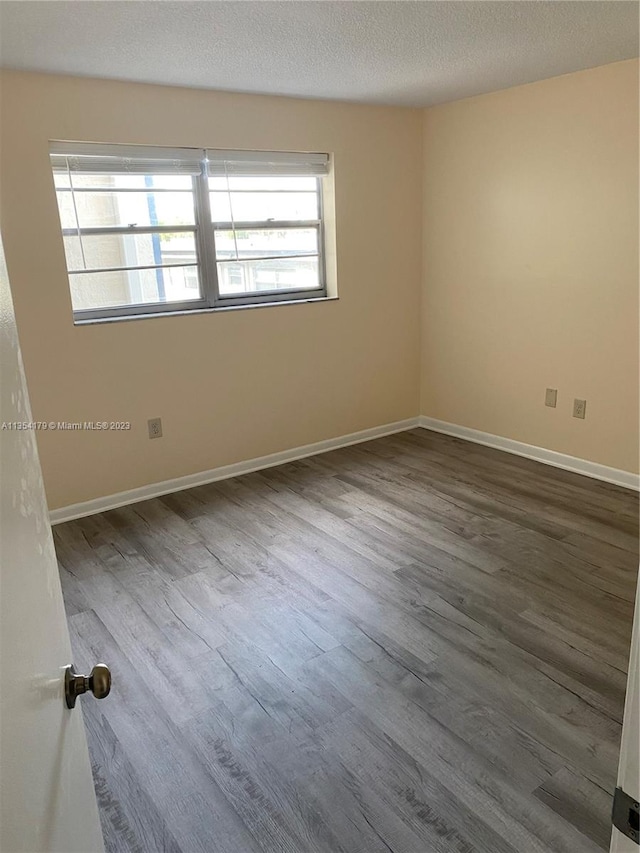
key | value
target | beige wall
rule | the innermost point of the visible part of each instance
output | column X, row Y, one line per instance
column 229, row 386
column 529, row 229
column 531, row 263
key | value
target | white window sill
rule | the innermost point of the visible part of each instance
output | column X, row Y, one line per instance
column 197, row 311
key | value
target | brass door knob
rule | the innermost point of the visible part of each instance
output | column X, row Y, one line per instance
column 98, row 682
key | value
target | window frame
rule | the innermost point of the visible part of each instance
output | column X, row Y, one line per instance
column 203, row 230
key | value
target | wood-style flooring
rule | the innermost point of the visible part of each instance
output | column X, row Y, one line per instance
column 411, row 645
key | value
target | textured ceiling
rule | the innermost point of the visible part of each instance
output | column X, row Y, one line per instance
column 404, row 52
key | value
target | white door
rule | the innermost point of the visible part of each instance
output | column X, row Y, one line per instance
column 629, row 768
column 47, row 801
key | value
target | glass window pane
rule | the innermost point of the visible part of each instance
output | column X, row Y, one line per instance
column 265, row 243
column 66, row 210
column 61, row 179
column 134, row 287
column 127, row 180
column 102, row 251
column 108, row 209
column 255, row 206
column 73, row 251
column 238, row 277
column 276, row 182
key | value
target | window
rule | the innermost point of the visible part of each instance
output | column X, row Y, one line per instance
column 151, row 230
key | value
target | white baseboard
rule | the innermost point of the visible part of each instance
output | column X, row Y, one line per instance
column 166, row 487
column 155, row 490
column 549, row 457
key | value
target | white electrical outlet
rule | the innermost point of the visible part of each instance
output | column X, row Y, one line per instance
column 579, row 408
column 551, row 398
column 155, row 427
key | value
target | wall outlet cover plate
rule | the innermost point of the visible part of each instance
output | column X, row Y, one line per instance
column 155, row 427
column 579, row 408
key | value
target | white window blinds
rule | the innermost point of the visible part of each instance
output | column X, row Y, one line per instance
column 220, row 163
column 94, row 158
column 90, row 158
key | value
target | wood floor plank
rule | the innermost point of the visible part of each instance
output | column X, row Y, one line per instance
column 414, row 645
column 579, row 800
column 131, row 821
column 196, row 813
column 452, row 761
column 443, row 821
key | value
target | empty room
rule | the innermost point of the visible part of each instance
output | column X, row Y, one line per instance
column 319, row 430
